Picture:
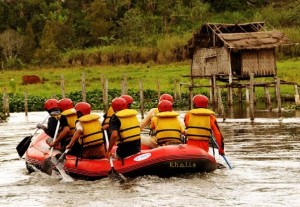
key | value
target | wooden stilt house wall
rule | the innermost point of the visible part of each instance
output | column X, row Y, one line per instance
column 234, row 52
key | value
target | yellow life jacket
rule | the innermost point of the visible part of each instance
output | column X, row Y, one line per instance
column 199, row 127
column 167, row 127
column 130, row 127
column 92, row 130
column 109, row 114
column 156, row 111
column 71, row 116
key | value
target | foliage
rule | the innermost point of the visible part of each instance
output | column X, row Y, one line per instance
column 51, row 29
column 148, row 74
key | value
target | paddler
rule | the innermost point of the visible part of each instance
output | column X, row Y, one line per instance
column 201, row 124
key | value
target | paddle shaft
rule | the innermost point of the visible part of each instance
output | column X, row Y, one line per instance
column 107, row 145
column 55, row 136
column 25, row 143
column 216, row 144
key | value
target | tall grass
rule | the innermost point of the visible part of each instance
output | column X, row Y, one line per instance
column 150, row 74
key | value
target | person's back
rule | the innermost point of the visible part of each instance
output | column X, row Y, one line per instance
column 200, row 123
column 51, row 106
column 152, row 113
column 167, row 129
column 67, row 118
column 91, row 140
column 88, row 137
column 125, row 130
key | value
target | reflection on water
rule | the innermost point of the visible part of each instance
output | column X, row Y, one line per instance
column 264, row 154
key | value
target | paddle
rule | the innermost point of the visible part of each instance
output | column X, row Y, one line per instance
column 47, row 166
column 113, row 173
column 25, row 143
column 59, row 164
column 224, row 157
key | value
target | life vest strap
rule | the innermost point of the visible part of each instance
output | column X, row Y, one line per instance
column 197, row 127
column 167, row 130
column 85, row 136
column 198, row 137
column 168, row 139
column 135, row 135
column 122, row 130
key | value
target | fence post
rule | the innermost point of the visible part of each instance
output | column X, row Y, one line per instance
column 62, row 83
column 5, row 103
column 268, row 98
column 278, row 98
column 297, row 101
column 158, row 89
column 83, row 87
column 104, row 84
column 26, row 102
column 175, row 89
column 252, row 96
column 142, row 99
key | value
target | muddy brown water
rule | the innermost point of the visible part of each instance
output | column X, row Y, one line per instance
column 264, row 154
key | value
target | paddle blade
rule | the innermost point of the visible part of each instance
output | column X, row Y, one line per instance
column 47, row 166
column 113, row 174
column 23, row 145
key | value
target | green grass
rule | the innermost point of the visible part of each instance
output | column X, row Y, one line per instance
column 149, row 74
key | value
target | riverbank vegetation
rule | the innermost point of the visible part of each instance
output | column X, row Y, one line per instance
column 152, row 76
column 95, row 32
column 140, row 40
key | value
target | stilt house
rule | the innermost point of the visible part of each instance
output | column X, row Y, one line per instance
column 234, row 50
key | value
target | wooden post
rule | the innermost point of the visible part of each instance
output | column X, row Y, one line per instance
column 220, row 104
column 230, row 82
column 278, row 98
column 158, row 89
column 175, row 89
column 191, row 97
column 83, row 88
column 104, row 83
column 211, row 91
column 124, row 89
column 62, row 83
column 247, row 96
column 268, row 102
column 26, row 102
column 297, row 101
column 240, row 95
column 180, row 92
column 230, row 91
column 215, row 90
column 142, row 99
column 5, row 103
column 251, row 96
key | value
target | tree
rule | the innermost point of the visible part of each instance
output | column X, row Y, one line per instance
column 11, row 43
column 101, row 25
column 48, row 53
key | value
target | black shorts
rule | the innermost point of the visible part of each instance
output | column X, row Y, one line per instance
column 128, row 148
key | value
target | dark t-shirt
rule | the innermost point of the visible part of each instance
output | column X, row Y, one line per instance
column 52, row 123
column 124, row 149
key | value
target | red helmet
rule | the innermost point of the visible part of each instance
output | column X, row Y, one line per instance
column 200, row 101
column 167, row 97
column 128, row 99
column 83, row 107
column 51, row 104
column 118, row 104
column 65, row 104
column 164, row 105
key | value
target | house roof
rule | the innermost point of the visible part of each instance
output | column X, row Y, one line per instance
column 241, row 36
column 255, row 40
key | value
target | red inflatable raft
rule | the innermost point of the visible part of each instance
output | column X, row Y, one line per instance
column 163, row 161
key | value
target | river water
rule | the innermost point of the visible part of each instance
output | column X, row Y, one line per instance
column 264, row 155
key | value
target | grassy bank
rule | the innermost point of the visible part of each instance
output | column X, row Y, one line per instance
column 149, row 74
